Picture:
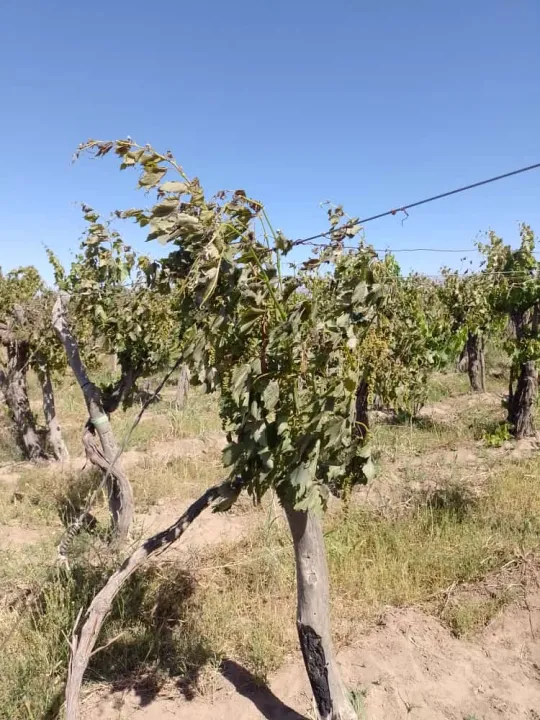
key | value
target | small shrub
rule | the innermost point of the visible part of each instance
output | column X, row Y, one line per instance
column 498, row 436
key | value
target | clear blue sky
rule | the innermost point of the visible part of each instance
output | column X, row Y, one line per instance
column 371, row 104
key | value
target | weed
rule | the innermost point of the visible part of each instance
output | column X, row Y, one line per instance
column 499, row 435
column 470, row 615
column 357, row 698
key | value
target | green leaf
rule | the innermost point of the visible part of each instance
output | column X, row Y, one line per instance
column 350, row 382
column 231, row 453
column 303, row 474
column 282, row 427
column 363, row 451
column 334, row 472
column 239, row 378
column 353, row 229
column 368, row 469
column 100, row 312
column 334, row 431
column 271, row 395
column 267, row 460
column 187, row 222
column 311, row 502
column 282, row 243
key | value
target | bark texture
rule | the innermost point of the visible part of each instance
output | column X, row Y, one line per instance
column 463, row 360
column 182, row 387
column 362, row 417
column 56, row 440
column 475, row 362
column 313, row 617
column 522, row 400
column 84, row 639
column 121, row 504
column 15, row 392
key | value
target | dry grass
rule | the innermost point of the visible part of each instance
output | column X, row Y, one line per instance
column 468, row 616
column 180, row 617
column 158, row 479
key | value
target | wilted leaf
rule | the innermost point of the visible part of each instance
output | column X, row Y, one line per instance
column 185, row 221
column 173, row 186
column 165, row 208
column 104, row 148
column 311, row 264
column 150, row 178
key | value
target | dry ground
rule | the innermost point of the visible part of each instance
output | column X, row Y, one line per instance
column 435, row 585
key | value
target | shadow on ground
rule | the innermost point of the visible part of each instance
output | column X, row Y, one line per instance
column 270, row 706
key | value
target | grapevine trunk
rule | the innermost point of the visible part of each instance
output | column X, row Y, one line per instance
column 313, row 617
column 522, row 401
column 16, row 396
column 56, row 440
column 476, row 363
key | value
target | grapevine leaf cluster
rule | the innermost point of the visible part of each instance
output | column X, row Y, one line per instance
column 467, row 301
column 410, row 338
column 116, row 306
column 514, row 292
column 25, row 312
column 285, row 360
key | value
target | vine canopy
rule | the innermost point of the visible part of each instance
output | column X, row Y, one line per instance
column 285, row 359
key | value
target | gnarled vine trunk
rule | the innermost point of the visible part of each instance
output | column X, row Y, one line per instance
column 182, row 387
column 120, row 492
column 521, row 401
column 313, row 617
column 15, row 391
column 475, row 362
column 362, row 417
column 84, row 637
column 462, row 364
column 56, row 440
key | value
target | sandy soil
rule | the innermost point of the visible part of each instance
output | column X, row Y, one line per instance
column 409, row 667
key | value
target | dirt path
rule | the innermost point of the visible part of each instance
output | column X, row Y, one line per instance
column 409, row 667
